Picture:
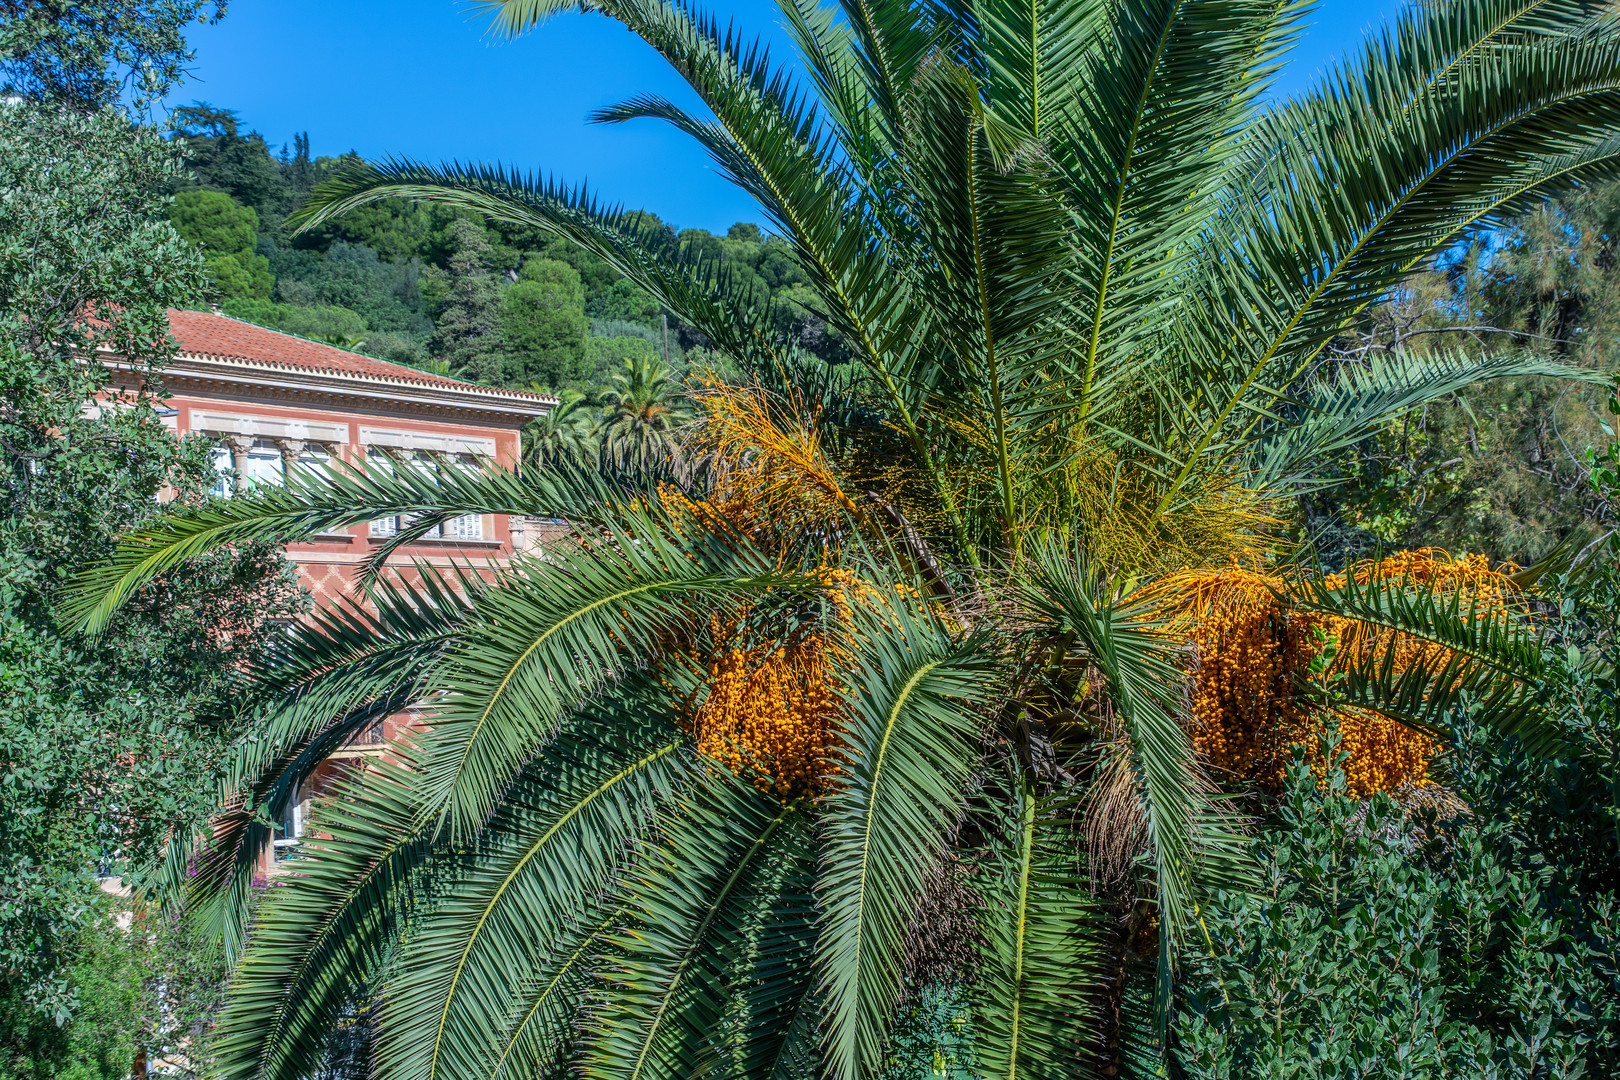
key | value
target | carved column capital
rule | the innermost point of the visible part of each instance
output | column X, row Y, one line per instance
column 290, row 449
column 240, row 445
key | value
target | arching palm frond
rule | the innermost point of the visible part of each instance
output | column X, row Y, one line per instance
column 336, row 497
column 560, row 840
column 1337, row 412
column 913, row 740
column 554, row 633
column 711, row 970
column 350, row 668
column 1477, row 648
column 316, row 946
column 1450, row 120
column 1193, row 845
column 1045, row 973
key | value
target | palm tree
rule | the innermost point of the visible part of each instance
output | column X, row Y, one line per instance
column 641, row 413
column 897, row 665
column 567, row 434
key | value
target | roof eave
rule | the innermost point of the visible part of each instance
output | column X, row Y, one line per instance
column 369, row 388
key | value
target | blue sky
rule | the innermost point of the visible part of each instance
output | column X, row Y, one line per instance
column 419, row 78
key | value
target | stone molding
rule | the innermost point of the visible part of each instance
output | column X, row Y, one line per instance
column 250, row 380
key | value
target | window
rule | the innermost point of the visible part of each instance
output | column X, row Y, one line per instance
column 224, row 473
column 467, row 526
column 425, row 464
column 431, row 466
column 264, row 465
column 290, row 829
column 379, row 461
column 314, row 456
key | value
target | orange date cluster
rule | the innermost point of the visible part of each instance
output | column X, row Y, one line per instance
column 773, row 714
column 1264, row 669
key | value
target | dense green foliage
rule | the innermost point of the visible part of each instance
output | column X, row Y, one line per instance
column 1498, row 467
column 86, row 55
column 229, row 234
column 1477, row 934
column 101, row 743
column 1479, row 939
column 105, row 980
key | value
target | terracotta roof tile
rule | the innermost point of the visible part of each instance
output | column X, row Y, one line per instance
column 204, row 333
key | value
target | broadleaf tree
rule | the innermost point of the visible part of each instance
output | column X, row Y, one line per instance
column 101, row 740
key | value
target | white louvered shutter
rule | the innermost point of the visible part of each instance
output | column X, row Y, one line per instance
column 381, row 462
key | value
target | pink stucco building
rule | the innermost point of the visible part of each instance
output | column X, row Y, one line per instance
column 270, row 401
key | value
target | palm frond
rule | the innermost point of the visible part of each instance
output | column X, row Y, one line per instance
column 1194, row 845
column 1045, row 954
column 693, row 289
column 325, row 935
column 711, row 971
column 1427, row 136
column 338, row 496
column 1336, row 413
column 544, row 1022
column 347, row 669
column 1479, row 649
column 913, row 739
column 559, row 840
column 555, row 632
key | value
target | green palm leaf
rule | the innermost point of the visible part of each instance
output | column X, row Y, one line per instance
column 1194, row 846
column 1045, row 953
column 319, row 940
column 554, row 633
column 542, row 1027
column 711, row 971
column 338, row 496
column 913, row 740
column 558, row 841
column 1488, row 654
column 1335, row 414
column 348, row 669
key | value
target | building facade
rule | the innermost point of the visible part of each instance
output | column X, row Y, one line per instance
column 271, row 402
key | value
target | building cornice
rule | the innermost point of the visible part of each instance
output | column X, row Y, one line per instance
column 239, row 377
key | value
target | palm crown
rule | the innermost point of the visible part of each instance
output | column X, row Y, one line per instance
column 899, row 650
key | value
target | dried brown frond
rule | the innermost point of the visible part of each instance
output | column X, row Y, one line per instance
column 1115, row 829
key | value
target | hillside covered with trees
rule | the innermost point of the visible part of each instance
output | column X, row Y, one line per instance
column 438, row 289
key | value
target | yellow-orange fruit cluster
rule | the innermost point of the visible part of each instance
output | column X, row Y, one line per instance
column 1251, row 699
column 773, row 714
column 1245, row 710
column 1380, row 754
column 1249, row 710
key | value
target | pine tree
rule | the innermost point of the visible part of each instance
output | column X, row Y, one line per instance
column 468, row 337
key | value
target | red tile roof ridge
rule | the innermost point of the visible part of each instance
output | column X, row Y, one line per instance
column 214, row 335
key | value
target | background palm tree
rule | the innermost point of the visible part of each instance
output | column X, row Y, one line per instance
column 642, row 413
column 566, row 435
column 894, row 659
